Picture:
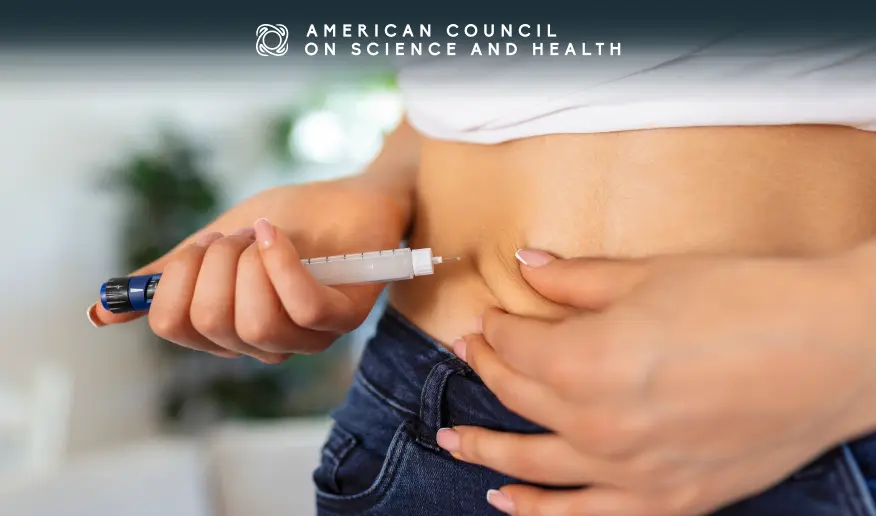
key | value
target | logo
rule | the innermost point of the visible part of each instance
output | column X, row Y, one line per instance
column 272, row 40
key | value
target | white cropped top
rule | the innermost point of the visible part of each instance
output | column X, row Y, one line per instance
column 721, row 83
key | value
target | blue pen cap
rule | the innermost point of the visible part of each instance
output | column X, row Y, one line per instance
column 130, row 294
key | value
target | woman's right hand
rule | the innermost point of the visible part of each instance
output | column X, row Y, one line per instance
column 238, row 287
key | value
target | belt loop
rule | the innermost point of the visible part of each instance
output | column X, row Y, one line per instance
column 432, row 400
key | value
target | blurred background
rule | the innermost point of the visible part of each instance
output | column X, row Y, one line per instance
column 107, row 161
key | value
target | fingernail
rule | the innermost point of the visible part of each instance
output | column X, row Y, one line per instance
column 264, row 233
column 208, row 239
column 245, row 232
column 533, row 258
column 458, row 348
column 92, row 316
column 500, row 501
column 448, row 439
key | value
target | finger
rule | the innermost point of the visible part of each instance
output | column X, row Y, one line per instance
column 529, row 346
column 308, row 303
column 590, row 501
column 582, row 359
column 520, row 394
column 540, row 350
column 100, row 316
column 170, row 313
column 540, row 458
column 212, row 310
column 260, row 319
column 587, row 283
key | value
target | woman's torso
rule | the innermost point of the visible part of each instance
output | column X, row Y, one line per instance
column 778, row 190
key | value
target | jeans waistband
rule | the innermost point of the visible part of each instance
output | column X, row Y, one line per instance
column 418, row 376
column 398, row 360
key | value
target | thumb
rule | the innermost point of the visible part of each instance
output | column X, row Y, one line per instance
column 589, row 283
column 99, row 316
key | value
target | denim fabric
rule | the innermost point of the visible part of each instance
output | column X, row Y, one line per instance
column 381, row 457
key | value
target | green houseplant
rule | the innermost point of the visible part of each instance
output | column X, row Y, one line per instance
column 169, row 194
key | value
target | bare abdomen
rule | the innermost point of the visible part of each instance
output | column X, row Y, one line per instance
column 764, row 190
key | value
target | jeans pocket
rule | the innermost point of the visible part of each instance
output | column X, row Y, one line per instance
column 335, row 451
column 351, row 478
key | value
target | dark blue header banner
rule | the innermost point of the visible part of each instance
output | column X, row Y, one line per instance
column 208, row 23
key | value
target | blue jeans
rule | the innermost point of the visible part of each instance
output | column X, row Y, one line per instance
column 381, row 457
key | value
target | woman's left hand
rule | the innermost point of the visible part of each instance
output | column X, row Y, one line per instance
column 682, row 384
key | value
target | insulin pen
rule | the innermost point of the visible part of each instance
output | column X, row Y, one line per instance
column 134, row 293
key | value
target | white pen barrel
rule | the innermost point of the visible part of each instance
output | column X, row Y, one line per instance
column 378, row 266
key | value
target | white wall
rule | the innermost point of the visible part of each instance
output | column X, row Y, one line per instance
column 61, row 123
